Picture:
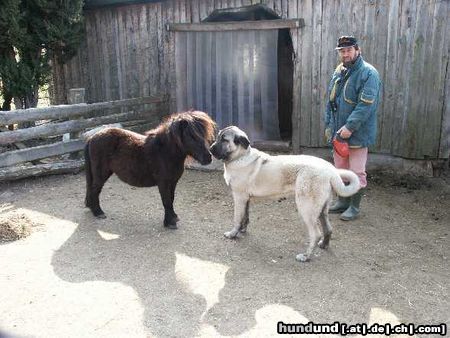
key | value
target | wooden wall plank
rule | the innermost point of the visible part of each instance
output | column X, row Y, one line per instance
column 195, row 11
column 113, row 60
column 381, row 56
column 118, row 65
column 171, row 10
column 190, row 70
column 207, row 71
column 236, row 25
column 122, row 51
column 306, row 59
column 402, row 92
column 93, row 49
column 199, row 76
column 328, row 60
column 436, row 49
column 316, row 86
column 153, row 54
column 444, row 149
column 386, row 125
column 295, row 34
column 376, row 56
column 181, row 88
column 145, row 47
column 160, row 41
column 416, row 103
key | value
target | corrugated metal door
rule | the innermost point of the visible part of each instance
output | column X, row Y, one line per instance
column 231, row 75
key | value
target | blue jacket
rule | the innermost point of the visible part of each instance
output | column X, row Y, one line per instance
column 353, row 96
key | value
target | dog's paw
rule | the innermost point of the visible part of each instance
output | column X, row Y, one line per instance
column 230, row 234
column 322, row 244
column 302, row 258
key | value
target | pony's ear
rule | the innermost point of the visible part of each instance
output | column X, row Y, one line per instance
column 242, row 140
column 176, row 130
column 182, row 126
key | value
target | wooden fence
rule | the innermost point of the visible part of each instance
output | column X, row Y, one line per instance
column 65, row 119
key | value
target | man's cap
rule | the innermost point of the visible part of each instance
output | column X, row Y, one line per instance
column 346, row 41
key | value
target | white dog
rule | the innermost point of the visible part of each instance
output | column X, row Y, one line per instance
column 252, row 174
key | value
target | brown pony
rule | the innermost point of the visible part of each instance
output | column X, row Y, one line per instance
column 155, row 158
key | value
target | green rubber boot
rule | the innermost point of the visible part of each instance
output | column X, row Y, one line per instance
column 340, row 205
column 352, row 211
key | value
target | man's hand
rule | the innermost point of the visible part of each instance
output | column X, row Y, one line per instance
column 328, row 135
column 344, row 132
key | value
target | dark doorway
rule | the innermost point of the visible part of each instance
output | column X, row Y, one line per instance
column 285, row 58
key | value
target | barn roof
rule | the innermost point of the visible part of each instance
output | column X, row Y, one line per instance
column 90, row 4
column 244, row 13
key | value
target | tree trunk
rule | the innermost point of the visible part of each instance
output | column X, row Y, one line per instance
column 6, row 106
column 7, row 52
column 29, row 101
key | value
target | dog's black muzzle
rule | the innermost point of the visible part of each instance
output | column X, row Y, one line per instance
column 217, row 152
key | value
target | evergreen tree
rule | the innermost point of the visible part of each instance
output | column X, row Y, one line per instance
column 31, row 33
column 10, row 32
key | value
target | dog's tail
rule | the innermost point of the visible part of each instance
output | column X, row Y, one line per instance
column 337, row 182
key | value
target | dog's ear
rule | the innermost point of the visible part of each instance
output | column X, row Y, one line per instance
column 242, row 140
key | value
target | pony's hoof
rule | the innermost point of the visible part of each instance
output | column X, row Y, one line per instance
column 302, row 258
column 100, row 216
column 171, row 225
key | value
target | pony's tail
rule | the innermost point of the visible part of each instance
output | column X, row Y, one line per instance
column 88, row 172
column 337, row 182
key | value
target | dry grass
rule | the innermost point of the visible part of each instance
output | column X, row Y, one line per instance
column 15, row 225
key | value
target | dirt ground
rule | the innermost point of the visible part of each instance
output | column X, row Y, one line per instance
column 128, row 276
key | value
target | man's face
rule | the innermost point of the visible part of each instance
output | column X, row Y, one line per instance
column 348, row 54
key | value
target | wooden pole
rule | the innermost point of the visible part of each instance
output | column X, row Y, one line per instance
column 64, row 111
column 53, row 129
column 10, row 158
column 235, row 25
column 16, row 173
column 75, row 96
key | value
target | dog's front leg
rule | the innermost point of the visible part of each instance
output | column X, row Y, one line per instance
column 246, row 218
column 240, row 212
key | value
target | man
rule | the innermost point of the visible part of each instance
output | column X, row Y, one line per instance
column 352, row 102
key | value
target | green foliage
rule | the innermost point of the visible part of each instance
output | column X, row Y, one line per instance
column 32, row 32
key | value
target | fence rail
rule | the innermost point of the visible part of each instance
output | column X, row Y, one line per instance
column 12, row 163
column 71, row 110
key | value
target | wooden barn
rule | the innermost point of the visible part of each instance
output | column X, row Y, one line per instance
column 265, row 65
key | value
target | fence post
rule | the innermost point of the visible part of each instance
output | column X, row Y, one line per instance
column 75, row 95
